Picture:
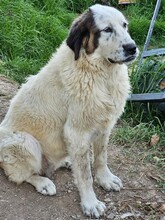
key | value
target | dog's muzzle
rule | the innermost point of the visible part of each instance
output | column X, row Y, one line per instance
column 130, row 52
column 129, row 49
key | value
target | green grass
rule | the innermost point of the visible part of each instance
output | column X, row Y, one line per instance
column 29, row 35
column 147, row 80
column 128, row 133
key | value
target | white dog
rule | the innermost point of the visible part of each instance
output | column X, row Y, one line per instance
column 71, row 104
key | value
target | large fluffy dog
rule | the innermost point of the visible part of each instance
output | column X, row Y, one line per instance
column 71, row 104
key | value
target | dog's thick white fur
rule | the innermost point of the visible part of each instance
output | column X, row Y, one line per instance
column 71, row 104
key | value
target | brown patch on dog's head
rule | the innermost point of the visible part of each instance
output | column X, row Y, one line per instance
column 83, row 33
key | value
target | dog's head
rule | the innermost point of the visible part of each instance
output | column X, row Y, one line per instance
column 103, row 30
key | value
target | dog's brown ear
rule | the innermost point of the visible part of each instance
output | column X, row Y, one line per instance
column 80, row 31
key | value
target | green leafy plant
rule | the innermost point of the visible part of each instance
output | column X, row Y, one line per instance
column 147, row 79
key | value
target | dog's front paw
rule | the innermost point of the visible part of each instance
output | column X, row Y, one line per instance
column 93, row 208
column 107, row 180
column 46, row 187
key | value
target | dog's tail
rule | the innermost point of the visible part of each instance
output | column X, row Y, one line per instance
column 20, row 155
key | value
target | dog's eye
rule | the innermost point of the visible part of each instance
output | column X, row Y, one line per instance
column 108, row 30
column 124, row 25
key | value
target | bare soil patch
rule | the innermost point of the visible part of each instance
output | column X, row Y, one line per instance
column 141, row 197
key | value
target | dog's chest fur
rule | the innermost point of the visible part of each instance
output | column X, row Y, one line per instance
column 97, row 92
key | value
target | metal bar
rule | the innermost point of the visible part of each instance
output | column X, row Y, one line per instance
column 157, row 52
column 158, row 3
column 147, row 97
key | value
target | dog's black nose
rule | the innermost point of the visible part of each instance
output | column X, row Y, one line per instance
column 130, row 49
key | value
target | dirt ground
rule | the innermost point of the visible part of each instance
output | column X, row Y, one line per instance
column 141, row 197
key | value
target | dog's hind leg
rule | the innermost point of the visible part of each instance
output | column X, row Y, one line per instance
column 63, row 163
column 56, row 155
column 21, row 158
column 42, row 184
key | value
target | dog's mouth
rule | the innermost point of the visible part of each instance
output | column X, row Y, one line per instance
column 128, row 59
